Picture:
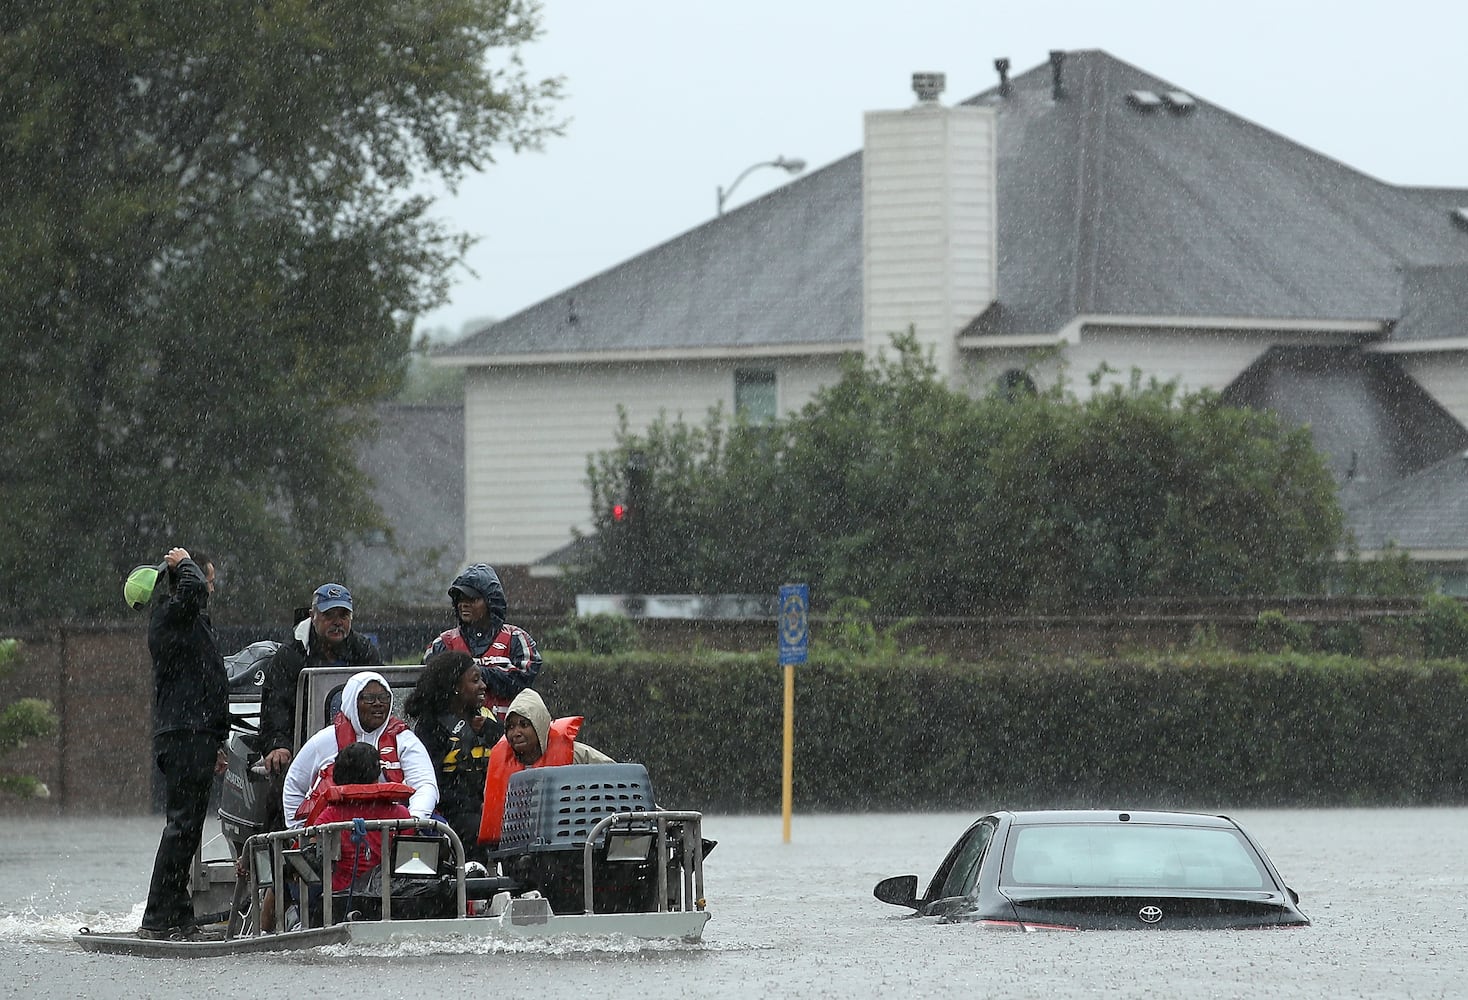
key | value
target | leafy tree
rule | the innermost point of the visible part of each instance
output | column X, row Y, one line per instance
column 22, row 720
column 658, row 544
column 1142, row 490
column 884, row 476
column 893, row 488
column 213, row 255
column 425, row 383
column 1392, row 573
column 1443, row 626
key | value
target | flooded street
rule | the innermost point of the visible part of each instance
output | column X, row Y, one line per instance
column 1386, row 889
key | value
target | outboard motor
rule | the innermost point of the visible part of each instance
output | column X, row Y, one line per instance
column 245, row 800
column 548, row 813
column 247, row 667
column 248, row 794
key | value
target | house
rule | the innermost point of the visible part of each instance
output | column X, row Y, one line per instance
column 412, row 459
column 1083, row 212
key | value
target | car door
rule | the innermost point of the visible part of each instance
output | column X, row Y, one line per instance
column 953, row 885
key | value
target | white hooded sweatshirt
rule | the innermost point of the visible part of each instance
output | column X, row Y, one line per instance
column 319, row 749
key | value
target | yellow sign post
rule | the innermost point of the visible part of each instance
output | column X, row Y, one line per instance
column 794, row 640
column 787, row 774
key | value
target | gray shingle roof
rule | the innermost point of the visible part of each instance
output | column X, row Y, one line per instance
column 783, row 269
column 1427, row 510
column 1374, row 423
column 1434, row 303
column 1103, row 208
column 1394, row 452
column 416, row 464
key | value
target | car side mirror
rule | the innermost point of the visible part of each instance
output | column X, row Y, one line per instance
column 1295, row 896
column 899, row 890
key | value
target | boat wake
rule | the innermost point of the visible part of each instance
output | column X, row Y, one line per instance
column 609, row 945
column 29, row 926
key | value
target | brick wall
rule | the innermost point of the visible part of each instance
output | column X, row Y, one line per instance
column 98, row 680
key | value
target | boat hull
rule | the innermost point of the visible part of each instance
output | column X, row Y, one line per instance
column 516, row 922
column 205, row 947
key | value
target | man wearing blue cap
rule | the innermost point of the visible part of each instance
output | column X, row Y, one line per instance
column 325, row 639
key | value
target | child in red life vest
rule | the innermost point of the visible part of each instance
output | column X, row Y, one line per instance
column 359, row 793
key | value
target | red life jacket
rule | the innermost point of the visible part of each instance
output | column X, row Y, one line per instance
column 346, row 735
column 560, row 750
column 383, row 800
column 382, row 791
column 497, row 653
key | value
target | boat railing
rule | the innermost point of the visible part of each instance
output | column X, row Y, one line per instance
column 269, row 859
column 689, row 854
column 274, row 858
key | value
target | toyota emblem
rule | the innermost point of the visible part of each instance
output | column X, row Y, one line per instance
column 1150, row 914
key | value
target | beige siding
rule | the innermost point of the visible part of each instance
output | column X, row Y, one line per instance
column 528, row 432
column 1197, row 359
column 928, row 225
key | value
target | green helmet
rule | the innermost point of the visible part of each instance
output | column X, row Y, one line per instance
column 137, row 589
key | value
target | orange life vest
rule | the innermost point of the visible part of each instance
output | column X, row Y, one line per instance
column 560, row 750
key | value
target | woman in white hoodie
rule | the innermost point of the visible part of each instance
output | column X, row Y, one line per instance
column 365, row 717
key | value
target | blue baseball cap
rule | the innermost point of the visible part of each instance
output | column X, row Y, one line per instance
column 331, row 595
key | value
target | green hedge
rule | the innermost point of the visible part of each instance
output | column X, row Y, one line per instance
column 1207, row 729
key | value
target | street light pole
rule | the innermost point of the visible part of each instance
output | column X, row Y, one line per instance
column 794, row 165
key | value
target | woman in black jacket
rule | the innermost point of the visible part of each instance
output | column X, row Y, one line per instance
column 447, row 706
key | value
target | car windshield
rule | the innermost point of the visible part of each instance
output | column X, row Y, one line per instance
column 1132, row 855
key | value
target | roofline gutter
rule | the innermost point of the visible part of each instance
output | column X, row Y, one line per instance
column 647, row 355
column 1440, row 344
column 1072, row 331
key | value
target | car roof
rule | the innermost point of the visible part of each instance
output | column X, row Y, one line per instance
column 1061, row 817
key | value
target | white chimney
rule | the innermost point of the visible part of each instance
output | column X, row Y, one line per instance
column 928, row 222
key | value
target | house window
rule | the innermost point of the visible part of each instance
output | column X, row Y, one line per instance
column 754, row 395
column 1015, row 384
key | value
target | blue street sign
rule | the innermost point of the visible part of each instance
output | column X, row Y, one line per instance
column 794, row 630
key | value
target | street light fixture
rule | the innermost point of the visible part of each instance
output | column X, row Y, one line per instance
column 794, row 165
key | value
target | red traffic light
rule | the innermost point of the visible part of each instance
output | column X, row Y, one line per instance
column 619, row 512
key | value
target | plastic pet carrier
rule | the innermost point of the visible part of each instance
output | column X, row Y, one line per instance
column 548, row 813
column 553, row 808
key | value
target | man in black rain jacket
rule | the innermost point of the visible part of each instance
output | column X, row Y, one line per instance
column 190, row 724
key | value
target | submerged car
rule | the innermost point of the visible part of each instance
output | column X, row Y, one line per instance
column 1093, row 869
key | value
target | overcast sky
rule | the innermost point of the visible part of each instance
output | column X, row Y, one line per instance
column 670, row 99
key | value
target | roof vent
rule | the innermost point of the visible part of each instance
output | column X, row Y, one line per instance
column 1460, row 215
column 1002, row 65
column 1178, row 102
column 1057, row 63
column 1143, row 100
column 927, row 86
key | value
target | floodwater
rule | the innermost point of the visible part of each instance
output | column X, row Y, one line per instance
column 1387, row 891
